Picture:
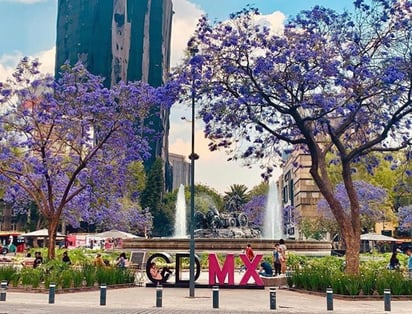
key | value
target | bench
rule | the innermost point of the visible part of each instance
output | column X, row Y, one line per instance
column 274, row 281
column 137, row 262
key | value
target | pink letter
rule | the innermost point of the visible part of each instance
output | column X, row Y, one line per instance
column 227, row 270
column 251, row 267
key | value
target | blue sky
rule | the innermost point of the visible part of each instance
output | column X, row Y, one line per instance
column 28, row 28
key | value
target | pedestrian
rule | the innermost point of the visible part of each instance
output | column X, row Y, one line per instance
column 409, row 261
column 277, row 260
column 250, row 256
column 283, row 257
column 249, row 252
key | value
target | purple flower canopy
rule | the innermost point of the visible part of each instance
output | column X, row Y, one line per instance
column 66, row 144
column 370, row 197
column 405, row 218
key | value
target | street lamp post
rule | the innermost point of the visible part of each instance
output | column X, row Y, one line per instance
column 193, row 156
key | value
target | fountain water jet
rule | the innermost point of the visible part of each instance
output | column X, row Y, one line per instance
column 272, row 226
column 180, row 215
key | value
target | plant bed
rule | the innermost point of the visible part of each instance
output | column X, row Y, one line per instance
column 68, row 290
column 352, row 297
column 65, row 278
column 317, row 275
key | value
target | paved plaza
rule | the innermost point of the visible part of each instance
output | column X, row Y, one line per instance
column 177, row 300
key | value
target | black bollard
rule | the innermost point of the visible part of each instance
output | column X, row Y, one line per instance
column 387, row 299
column 272, row 298
column 103, row 289
column 3, row 290
column 52, row 290
column 159, row 293
column 215, row 297
column 329, row 299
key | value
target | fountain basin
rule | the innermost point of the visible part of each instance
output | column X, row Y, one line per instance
column 307, row 248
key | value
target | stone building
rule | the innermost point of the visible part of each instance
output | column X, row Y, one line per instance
column 180, row 169
column 299, row 191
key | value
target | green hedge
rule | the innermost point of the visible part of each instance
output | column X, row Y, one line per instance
column 318, row 274
column 64, row 276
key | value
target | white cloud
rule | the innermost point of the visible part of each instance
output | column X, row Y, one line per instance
column 274, row 21
column 8, row 62
column 23, row 1
column 212, row 168
column 185, row 18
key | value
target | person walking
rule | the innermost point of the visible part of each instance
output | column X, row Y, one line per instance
column 249, row 252
column 276, row 260
column 409, row 261
column 250, row 256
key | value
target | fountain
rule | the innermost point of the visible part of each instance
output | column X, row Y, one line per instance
column 180, row 216
column 272, row 227
column 228, row 231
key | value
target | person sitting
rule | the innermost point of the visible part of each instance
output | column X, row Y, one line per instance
column 265, row 269
column 28, row 261
column 159, row 275
column 98, row 261
column 394, row 261
column 66, row 258
column 121, row 260
column 38, row 259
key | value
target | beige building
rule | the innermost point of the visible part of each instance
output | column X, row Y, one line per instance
column 180, row 170
column 298, row 190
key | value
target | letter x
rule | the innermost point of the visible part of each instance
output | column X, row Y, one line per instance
column 251, row 267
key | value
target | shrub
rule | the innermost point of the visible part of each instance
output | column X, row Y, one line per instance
column 6, row 273
column 89, row 273
column 317, row 274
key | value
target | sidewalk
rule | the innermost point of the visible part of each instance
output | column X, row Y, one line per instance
column 177, row 300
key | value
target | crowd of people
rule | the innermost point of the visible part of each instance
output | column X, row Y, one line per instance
column 279, row 257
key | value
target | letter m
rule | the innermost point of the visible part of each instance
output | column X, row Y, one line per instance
column 228, row 269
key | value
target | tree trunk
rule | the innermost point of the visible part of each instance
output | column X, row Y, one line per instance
column 348, row 222
column 352, row 243
column 51, row 249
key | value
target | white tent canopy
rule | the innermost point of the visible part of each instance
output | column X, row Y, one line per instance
column 116, row 234
column 42, row 233
column 376, row 237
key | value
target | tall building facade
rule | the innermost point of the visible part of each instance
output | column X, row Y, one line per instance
column 126, row 40
column 180, row 169
column 299, row 191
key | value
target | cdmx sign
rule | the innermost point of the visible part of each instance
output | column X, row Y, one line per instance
column 218, row 274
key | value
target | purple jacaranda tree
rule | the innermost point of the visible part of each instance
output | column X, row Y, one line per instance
column 255, row 210
column 328, row 84
column 372, row 203
column 66, row 143
column 405, row 219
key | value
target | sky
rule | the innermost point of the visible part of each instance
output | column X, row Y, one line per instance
column 28, row 28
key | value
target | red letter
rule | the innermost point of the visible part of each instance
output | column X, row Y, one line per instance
column 251, row 269
column 227, row 270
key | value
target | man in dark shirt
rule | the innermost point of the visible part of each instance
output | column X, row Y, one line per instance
column 38, row 259
column 265, row 269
